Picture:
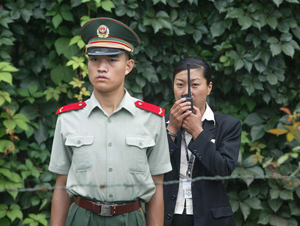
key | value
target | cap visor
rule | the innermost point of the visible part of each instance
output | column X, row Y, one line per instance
column 98, row 51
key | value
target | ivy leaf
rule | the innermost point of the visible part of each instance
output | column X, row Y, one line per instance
column 272, row 79
column 61, row 45
column 197, row 35
column 107, row 5
column 254, row 203
column 235, row 13
column 296, row 32
column 21, row 121
column 6, row 77
column 6, row 145
column 14, row 212
column 165, row 23
column 275, row 204
column 26, row 14
column 217, row 29
column 5, row 19
column 56, row 20
column 257, row 132
column 272, row 22
column 245, row 22
column 15, row 178
column 288, row 49
column 238, row 64
column 264, row 217
column 275, row 49
column 245, row 208
column 278, row 221
column 278, row 131
column 286, row 195
column 156, row 25
column 41, row 133
column 277, row 2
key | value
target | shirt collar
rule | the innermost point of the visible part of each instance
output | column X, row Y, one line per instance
column 208, row 115
column 126, row 103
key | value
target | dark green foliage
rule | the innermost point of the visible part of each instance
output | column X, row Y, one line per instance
column 252, row 47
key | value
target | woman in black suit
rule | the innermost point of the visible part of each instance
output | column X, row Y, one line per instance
column 201, row 143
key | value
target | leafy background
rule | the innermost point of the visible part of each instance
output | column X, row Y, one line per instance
column 251, row 45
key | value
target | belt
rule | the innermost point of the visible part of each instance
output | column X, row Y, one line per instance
column 107, row 209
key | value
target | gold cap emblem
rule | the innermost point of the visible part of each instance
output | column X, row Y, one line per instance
column 103, row 31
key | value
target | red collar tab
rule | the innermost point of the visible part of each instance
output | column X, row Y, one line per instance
column 71, row 107
column 150, row 107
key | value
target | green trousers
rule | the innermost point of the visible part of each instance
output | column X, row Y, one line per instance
column 79, row 216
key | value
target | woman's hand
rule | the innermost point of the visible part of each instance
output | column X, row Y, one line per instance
column 178, row 112
column 193, row 123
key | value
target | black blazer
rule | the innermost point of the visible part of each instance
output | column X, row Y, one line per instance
column 210, row 202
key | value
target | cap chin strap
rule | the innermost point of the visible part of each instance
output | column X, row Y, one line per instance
column 110, row 44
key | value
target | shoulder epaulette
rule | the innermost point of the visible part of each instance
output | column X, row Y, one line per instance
column 71, row 107
column 150, row 107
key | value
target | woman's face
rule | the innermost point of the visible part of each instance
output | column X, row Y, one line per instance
column 199, row 88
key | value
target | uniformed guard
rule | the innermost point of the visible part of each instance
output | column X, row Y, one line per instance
column 110, row 149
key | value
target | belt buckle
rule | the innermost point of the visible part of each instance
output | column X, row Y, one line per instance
column 105, row 210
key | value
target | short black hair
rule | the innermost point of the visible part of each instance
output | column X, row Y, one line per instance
column 128, row 55
column 195, row 63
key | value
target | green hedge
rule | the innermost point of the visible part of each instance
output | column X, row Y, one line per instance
column 251, row 45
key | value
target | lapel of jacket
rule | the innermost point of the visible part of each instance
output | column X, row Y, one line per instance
column 209, row 125
column 178, row 152
column 176, row 155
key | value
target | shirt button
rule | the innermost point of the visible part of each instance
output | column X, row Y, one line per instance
column 78, row 142
column 141, row 144
column 110, row 196
column 109, row 121
column 110, row 144
column 110, row 169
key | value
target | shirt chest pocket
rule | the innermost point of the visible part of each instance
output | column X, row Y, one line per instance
column 81, row 146
column 136, row 153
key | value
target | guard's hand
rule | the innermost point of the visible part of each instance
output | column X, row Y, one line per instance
column 193, row 123
column 178, row 112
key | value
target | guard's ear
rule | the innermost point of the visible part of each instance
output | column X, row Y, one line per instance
column 129, row 66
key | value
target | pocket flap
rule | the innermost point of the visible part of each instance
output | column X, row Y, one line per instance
column 225, row 211
column 141, row 142
column 78, row 141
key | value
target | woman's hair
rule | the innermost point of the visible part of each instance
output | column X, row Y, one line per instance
column 195, row 63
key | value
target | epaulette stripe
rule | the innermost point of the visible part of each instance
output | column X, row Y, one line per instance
column 71, row 107
column 150, row 107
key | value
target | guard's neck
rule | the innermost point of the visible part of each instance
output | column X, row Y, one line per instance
column 110, row 101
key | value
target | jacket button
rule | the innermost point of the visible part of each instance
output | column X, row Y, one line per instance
column 169, row 217
column 171, row 151
column 173, row 197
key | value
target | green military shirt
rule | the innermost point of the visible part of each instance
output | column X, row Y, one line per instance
column 110, row 157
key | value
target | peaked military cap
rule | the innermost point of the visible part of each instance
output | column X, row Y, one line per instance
column 107, row 36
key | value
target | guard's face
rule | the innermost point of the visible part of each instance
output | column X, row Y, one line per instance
column 199, row 88
column 107, row 73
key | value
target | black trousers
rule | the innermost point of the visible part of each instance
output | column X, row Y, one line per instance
column 182, row 219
